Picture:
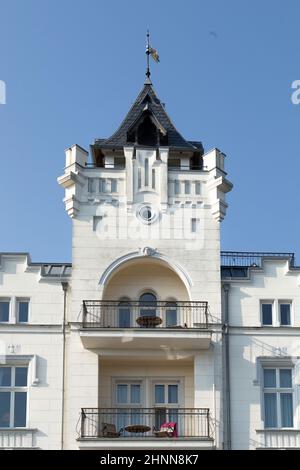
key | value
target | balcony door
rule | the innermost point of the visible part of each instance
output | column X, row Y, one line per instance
column 166, row 397
column 148, row 305
column 124, row 314
column 128, row 400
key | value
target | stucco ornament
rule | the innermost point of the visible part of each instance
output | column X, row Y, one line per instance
column 148, row 251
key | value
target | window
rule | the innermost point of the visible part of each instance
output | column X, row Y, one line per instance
column 166, row 394
column 267, row 313
column 278, row 398
column 114, row 185
column 176, row 187
column 187, row 187
column 171, row 314
column 194, row 225
column 197, row 187
column 153, row 178
column 146, row 172
column 23, row 310
column 148, row 307
column 90, row 185
column 166, row 400
column 13, row 396
column 4, row 310
column 128, row 394
column 102, row 185
column 285, row 313
column 124, row 314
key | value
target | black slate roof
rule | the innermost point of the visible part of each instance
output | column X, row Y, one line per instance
column 148, row 99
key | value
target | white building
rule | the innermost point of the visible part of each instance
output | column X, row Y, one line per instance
column 152, row 337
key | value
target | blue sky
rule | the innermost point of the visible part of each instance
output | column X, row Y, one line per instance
column 73, row 67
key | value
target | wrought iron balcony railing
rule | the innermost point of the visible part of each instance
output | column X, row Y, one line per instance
column 145, row 423
column 116, row 314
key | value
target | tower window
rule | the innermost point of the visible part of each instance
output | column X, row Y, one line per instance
column 187, row 187
column 146, row 172
column 153, row 179
column 195, row 225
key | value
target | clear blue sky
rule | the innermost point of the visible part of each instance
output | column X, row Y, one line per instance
column 73, row 67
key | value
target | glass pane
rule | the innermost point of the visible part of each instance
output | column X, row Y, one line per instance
column 149, row 305
column 159, row 394
column 23, row 311
column 20, row 409
column 4, row 311
column 124, row 316
column 173, row 415
column 4, row 409
column 5, row 376
column 135, row 394
column 267, row 314
column 270, row 410
column 122, row 393
column 285, row 314
column 172, row 393
column 286, row 403
column 269, row 378
column 160, row 417
column 171, row 317
column 285, row 376
column 21, row 377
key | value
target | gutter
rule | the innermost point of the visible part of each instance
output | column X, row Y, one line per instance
column 65, row 286
column 227, row 397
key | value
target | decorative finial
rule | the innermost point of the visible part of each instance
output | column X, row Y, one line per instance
column 154, row 55
column 148, row 73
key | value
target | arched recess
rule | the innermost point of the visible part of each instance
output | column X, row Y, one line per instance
column 128, row 275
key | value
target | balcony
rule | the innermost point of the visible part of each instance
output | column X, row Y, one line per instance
column 17, row 438
column 140, row 325
column 278, row 438
column 145, row 427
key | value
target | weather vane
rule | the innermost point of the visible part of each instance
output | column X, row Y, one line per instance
column 150, row 51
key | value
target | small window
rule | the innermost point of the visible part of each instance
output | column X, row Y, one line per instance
column 194, row 225
column 102, row 185
column 267, row 313
column 285, row 314
column 187, row 187
column 23, row 311
column 197, row 187
column 114, row 185
column 176, row 187
column 90, row 185
column 4, row 310
column 153, row 178
column 146, row 172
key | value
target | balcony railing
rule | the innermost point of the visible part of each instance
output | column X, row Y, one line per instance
column 115, row 314
column 145, row 423
column 249, row 258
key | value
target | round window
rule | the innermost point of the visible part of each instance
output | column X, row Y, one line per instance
column 146, row 214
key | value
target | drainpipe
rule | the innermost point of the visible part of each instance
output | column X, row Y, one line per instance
column 65, row 289
column 227, row 402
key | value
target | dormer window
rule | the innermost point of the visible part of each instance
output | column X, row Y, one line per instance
column 147, row 133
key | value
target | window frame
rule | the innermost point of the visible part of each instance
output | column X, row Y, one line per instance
column 266, row 302
column 128, row 383
column 285, row 302
column 12, row 389
column 9, row 301
column 18, row 301
column 278, row 390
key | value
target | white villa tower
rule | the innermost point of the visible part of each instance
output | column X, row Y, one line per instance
column 151, row 338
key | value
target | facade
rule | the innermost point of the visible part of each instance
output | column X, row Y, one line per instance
column 152, row 337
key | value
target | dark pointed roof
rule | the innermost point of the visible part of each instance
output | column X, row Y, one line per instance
column 148, row 100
